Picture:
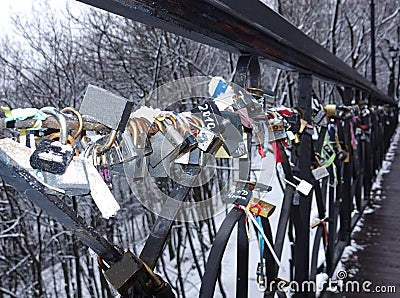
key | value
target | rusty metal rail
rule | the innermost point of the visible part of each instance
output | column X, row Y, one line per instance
column 244, row 27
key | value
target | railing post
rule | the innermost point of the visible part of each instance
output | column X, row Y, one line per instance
column 347, row 199
column 301, row 212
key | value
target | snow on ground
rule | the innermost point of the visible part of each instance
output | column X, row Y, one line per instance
column 376, row 194
column 228, row 265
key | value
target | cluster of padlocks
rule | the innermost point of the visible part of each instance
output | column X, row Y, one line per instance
column 75, row 152
column 143, row 144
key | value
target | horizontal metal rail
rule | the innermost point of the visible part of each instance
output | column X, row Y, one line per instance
column 20, row 179
column 244, row 27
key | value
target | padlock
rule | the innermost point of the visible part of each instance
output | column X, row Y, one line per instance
column 261, row 207
column 196, row 157
column 241, row 195
column 330, row 110
column 130, row 269
column 138, row 168
column 254, row 109
column 208, row 112
column 303, row 125
column 96, row 104
column 227, row 124
column 139, row 128
column 320, row 172
column 104, row 169
column 129, row 156
column 162, row 148
column 276, row 130
column 293, row 120
column 320, row 118
column 207, row 141
column 74, row 181
column 123, row 273
column 53, row 156
column 303, row 187
column 232, row 134
column 168, row 142
column 107, row 108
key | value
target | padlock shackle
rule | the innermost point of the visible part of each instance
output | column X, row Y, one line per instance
column 61, row 120
column 134, row 131
column 182, row 124
column 80, row 120
column 110, row 142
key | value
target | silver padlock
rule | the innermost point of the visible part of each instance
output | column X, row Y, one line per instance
column 74, row 181
column 276, row 131
column 107, row 108
column 168, row 142
column 207, row 140
column 96, row 104
column 162, row 148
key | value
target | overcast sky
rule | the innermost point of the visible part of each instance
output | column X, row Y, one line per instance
column 9, row 8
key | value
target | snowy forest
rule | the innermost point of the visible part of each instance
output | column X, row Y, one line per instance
column 51, row 59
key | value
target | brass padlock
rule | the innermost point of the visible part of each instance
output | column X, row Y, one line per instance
column 330, row 110
column 261, row 208
column 124, row 272
column 296, row 138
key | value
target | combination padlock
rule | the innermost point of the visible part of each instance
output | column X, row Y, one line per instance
column 53, row 156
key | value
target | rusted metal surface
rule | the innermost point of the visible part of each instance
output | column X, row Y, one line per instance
column 53, row 123
column 243, row 27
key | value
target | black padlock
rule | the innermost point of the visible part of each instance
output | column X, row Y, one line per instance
column 294, row 122
column 209, row 112
column 232, row 133
column 52, row 156
column 241, row 195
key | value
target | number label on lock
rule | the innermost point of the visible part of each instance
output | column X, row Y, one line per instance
column 241, row 195
column 208, row 112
